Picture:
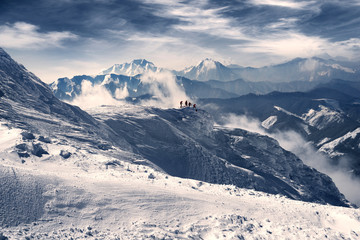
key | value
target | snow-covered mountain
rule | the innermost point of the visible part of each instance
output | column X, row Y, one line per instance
column 325, row 116
column 301, row 69
column 115, row 172
column 297, row 70
column 125, row 87
column 68, row 89
column 135, row 67
column 208, row 69
column 211, row 78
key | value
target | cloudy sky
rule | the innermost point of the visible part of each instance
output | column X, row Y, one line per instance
column 57, row 38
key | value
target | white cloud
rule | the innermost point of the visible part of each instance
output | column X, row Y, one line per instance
column 309, row 65
column 25, row 35
column 283, row 23
column 196, row 17
column 122, row 93
column 287, row 45
column 93, row 96
column 164, row 87
column 282, row 3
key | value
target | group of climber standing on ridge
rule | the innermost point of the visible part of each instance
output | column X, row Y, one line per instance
column 187, row 104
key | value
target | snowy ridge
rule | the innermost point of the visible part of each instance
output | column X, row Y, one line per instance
column 323, row 117
column 196, row 132
column 320, row 119
column 208, row 69
column 135, row 67
column 330, row 147
column 100, row 196
column 287, row 112
column 267, row 123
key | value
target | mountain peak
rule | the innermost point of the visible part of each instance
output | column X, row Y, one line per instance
column 135, row 67
column 141, row 62
column 208, row 63
column 208, row 69
column 3, row 53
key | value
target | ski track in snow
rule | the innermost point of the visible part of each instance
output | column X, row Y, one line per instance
column 86, row 197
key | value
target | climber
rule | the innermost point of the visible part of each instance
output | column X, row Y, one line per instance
column 181, row 104
column 186, row 103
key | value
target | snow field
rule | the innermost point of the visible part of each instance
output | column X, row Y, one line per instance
column 93, row 195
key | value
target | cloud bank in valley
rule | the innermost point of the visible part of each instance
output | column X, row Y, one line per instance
column 162, row 86
column 167, row 93
column 93, row 96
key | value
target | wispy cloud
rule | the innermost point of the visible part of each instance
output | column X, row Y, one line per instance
column 293, row 44
column 197, row 17
column 164, row 88
column 25, row 35
column 93, row 96
column 283, row 3
column 177, row 33
column 286, row 44
column 283, row 23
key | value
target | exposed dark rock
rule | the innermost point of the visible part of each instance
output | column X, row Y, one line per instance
column 23, row 154
column 104, row 146
column 44, row 139
column 65, row 154
column 22, row 147
column 27, row 136
column 38, row 150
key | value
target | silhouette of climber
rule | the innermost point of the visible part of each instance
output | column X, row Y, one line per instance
column 186, row 103
column 181, row 104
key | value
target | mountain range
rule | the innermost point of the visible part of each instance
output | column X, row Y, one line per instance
column 299, row 69
column 324, row 110
column 211, row 78
column 328, row 116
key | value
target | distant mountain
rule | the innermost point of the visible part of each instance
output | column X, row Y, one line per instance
column 297, row 70
column 211, row 78
column 131, row 87
column 242, row 87
column 135, row 67
column 322, row 116
column 208, row 69
column 68, row 89
column 301, row 69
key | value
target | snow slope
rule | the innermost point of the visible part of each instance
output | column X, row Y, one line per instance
column 135, row 67
column 186, row 143
column 331, row 147
column 93, row 195
column 208, row 69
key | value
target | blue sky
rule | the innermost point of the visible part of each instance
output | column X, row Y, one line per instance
column 57, row 38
